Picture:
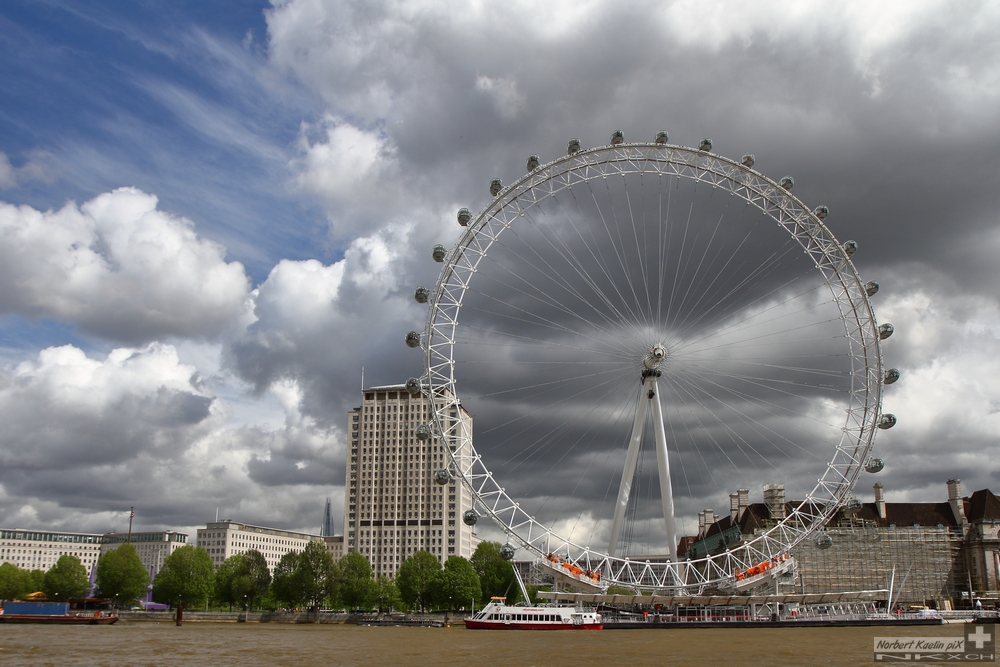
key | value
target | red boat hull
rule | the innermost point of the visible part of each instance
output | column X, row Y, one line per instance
column 58, row 620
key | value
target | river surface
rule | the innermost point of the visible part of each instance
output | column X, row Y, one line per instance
column 223, row 644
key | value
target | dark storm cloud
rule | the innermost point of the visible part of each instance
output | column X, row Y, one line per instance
column 865, row 112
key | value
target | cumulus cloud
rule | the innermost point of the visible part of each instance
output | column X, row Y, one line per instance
column 350, row 171
column 117, row 267
column 319, row 324
column 84, row 411
column 139, row 427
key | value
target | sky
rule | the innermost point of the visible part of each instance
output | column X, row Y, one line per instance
column 214, row 215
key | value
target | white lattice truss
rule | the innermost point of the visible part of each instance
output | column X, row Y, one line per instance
column 861, row 327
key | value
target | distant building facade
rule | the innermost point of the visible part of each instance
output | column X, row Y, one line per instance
column 223, row 539
column 152, row 548
column 393, row 507
column 40, row 549
column 939, row 551
column 335, row 545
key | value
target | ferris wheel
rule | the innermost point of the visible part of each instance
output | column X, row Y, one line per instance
column 639, row 327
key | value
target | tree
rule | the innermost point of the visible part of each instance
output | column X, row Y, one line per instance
column 387, row 595
column 259, row 576
column 495, row 573
column 228, row 588
column 285, row 586
column 15, row 583
column 415, row 579
column 456, row 584
column 121, row 576
column 66, row 579
column 318, row 574
column 620, row 590
column 186, row 579
column 357, row 583
column 37, row 578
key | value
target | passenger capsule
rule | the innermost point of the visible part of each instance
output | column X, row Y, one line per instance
column 747, row 160
column 874, row 465
column 853, row 506
column 532, row 163
column 422, row 432
column 464, row 215
column 413, row 386
column 413, row 339
column 890, row 376
column 496, row 185
column 442, row 477
column 821, row 212
column 850, row 247
column 421, row 294
column 824, row 542
column 573, row 146
column 661, row 137
column 438, row 253
column 469, row 518
column 507, row 552
column 617, row 137
column 787, row 182
column 871, row 288
column 705, row 145
column 887, row 421
column 885, row 330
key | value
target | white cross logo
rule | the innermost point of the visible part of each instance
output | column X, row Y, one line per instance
column 979, row 638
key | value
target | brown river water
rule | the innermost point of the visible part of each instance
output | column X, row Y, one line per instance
column 223, row 644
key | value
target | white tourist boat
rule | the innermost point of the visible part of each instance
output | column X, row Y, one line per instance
column 498, row 616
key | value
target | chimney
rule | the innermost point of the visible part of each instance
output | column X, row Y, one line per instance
column 709, row 518
column 955, row 500
column 734, row 507
column 701, row 525
column 744, row 495
column 880, row 500
column 774, row 499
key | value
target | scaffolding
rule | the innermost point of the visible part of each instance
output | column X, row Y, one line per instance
column 863, row 556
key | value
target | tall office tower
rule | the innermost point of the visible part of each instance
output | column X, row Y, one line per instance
column 393, row 506
column 326, row 530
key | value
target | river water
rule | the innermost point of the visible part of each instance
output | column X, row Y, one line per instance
column 223, row 644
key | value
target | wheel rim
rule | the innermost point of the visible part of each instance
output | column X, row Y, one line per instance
column 513, row 209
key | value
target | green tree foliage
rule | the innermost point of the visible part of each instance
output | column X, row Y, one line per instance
column 230, row 581
column 66, row 579
column 242, row 579
column 620, row 590
column 533, row 593
column 387, row 595
column 415, row 579
column 15, row 583
column 186, row 579
column 259, row 577
column 121, row 576
column 37, row 578
column 457, row 584
column 318, row 574
column 358, row 589
column 284, row 585
column 496, row 575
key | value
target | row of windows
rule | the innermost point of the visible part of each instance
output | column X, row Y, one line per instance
column 49, row 537
column 536, row 618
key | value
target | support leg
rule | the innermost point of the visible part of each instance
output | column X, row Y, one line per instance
column 631, row 459
column 663, row 465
